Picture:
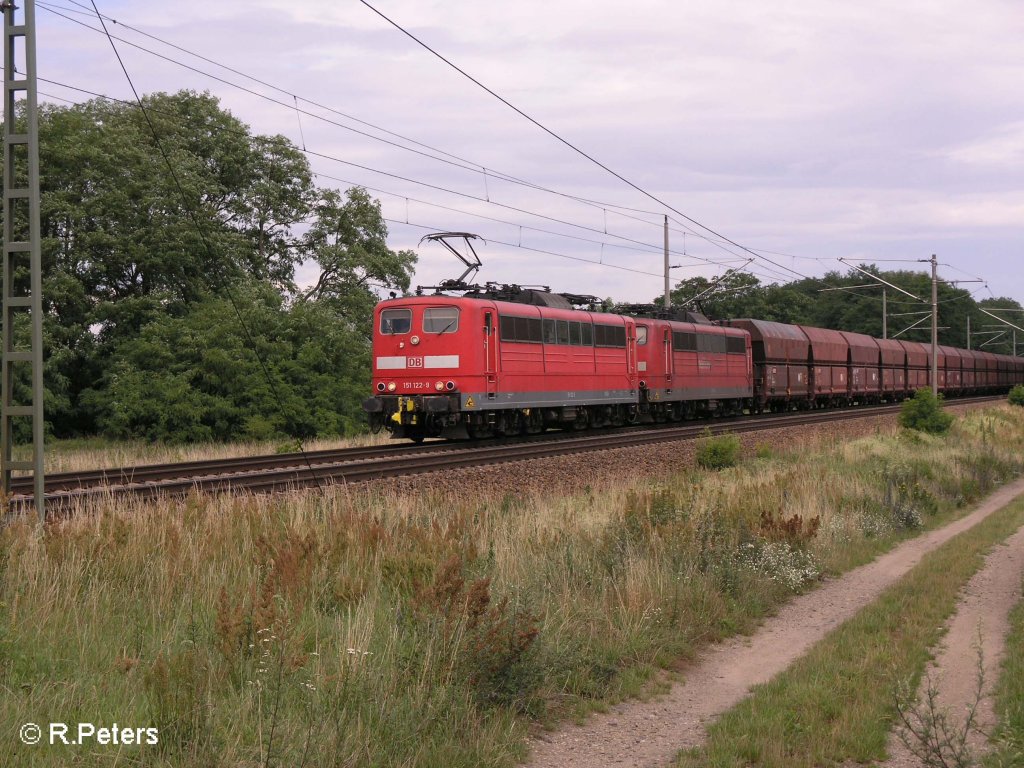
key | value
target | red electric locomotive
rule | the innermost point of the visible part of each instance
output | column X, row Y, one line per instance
column 476, row 365
column 690, row 369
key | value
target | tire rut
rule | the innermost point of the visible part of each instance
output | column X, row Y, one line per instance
column 648, row 734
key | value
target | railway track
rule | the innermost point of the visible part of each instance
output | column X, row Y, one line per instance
column 262, row 474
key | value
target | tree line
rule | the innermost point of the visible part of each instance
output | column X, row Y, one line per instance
column 171, row 307
column 819, row 302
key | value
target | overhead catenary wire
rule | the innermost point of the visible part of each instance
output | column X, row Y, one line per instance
column 600, row 262
column 576, row 149
column 456, row 160
column 632, row 242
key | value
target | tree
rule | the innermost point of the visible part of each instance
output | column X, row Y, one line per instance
column 141, row 267
column 216, row 373
column 348, row 241
column 857, row 308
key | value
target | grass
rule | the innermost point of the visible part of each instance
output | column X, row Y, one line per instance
column 1009, row 737
column 836, row 703
column 361, row 628
column 73, row 455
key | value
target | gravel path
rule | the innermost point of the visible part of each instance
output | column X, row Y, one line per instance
column 650, row 733
column 982, row 614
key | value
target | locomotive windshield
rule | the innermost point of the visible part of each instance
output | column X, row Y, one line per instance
column 441, row 320
column 393, row 321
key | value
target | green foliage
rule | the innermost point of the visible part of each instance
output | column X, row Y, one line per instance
column 1017, row 395
column 1009, row 736
column 140, row 334
column 718, row 452
column 803, row 302
column 197, row 377
column 923, row 412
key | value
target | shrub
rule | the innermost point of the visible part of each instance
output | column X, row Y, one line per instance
column 923, row 412
column 1017, row 395
column 718, row 452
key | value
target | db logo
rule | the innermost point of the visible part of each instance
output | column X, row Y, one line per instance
column 414, row 362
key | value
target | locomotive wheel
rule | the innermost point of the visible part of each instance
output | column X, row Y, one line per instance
column 479, row 431
column 534, row 422
column 582, row 419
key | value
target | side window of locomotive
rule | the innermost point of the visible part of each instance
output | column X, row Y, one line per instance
column 684, row 342
column 575, row 333
column 441, row 320
column 609, row 336
column 549, row 332
column 641, row 335
column 563, row 331
column 507, row 327
column 707, row 342
column 586, row 334
column 395, row 321
column 736, row 345
column 525, row 330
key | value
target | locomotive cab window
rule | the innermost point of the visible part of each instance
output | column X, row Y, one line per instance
column 394, row 321
column 641, row 335
column 441, row 320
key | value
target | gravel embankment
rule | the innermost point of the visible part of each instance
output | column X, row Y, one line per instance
column 578, row 472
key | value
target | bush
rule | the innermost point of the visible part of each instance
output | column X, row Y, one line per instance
column 718, row 452
column 1017, row 395
column 923, row 412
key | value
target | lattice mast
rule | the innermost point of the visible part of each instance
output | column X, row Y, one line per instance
column 21, row 247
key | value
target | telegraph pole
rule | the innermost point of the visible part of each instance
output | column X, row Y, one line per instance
column 935, row 325
column 668, row 292
column 21, row 249
column 885, row 315
column 968, row 333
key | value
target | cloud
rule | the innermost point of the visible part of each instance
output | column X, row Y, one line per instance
column 819, row 129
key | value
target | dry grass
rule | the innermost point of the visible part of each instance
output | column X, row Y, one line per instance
column 359, row 628
column 98, row 453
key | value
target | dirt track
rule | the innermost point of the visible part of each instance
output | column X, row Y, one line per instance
column 650, row 733
column 981, row 621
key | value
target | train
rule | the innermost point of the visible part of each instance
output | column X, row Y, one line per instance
column 508, row 360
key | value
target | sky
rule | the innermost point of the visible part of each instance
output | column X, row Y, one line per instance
column 804, row 130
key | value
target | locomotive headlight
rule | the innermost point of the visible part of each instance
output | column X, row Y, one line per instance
column 392, row 386
column 414, row 340
column 381, row 386
column 439, row 386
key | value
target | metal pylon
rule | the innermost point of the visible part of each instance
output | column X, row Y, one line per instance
column 21, row 248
